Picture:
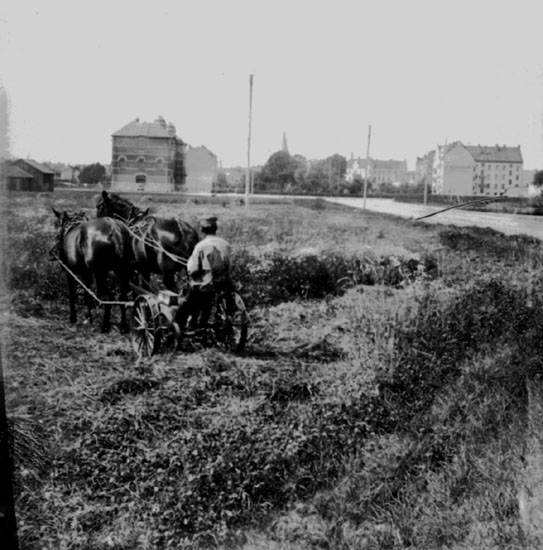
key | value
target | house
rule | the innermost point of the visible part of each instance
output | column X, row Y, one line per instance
column 70, row 174
column 379, row 171
column 478, row 170
column 202, row 169
column 388, row 171
column 147, row 156
column 424, row 168
column 356, row 168
column 29, row 175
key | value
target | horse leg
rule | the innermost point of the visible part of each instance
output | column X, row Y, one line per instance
column 87, row 280
column 169, row 280
column 72, row 297
column 103, row 292
column 124, row 279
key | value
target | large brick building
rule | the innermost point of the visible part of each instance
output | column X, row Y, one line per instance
column 147, row 156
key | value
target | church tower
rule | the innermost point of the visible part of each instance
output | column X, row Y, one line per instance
column 285, row 146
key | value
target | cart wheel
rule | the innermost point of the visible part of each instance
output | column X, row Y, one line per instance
column 145, row 326
column 232, row 328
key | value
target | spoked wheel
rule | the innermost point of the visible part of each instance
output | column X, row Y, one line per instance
column 232, row 326
column 145, row 326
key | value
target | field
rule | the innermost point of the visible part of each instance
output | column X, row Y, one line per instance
column 393, row 412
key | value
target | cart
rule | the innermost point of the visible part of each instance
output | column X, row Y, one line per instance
column 153, row 327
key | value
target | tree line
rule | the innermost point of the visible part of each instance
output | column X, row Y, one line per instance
column 286, row 173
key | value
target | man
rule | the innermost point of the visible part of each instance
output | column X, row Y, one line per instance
column 208, row 269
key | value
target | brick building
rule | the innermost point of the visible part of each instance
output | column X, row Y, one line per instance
column 147, row 156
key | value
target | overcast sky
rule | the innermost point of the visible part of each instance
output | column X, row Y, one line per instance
column 420, row 72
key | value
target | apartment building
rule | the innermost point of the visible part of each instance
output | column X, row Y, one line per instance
column 458, row 169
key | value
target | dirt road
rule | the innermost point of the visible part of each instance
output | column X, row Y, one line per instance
column 506, row 223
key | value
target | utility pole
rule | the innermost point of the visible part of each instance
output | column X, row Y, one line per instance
column 367, row 167
column 425, row 176
column 8, row 522
column 248, row 172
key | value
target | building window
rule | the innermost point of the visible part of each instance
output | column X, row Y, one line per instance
column 120, row 161
column 140, row 182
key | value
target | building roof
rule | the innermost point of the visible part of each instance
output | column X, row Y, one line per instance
column 37, row 166
column 157, row 129
column 495, row 153
column 352, row 161
column 13, row 171
column 390, row 164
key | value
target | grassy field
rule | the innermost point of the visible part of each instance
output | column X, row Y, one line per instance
column 387, row 415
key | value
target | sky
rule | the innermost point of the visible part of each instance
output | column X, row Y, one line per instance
column 420, row 72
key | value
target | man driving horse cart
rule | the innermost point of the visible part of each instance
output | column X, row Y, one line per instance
column 209, row 305
column 208, row 269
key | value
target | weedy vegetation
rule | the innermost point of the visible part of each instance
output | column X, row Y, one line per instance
column 381, row 402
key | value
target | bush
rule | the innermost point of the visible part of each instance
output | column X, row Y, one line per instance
column 487, row 241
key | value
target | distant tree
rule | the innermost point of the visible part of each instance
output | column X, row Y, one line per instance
column 356, row 187
column 338, row 164
column 282, row 171
column 327, row 175
column 538, row 179
column 92, row 173
column 222, row 183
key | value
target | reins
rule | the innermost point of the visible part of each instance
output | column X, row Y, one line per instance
column 85, row 287
column 150, row 242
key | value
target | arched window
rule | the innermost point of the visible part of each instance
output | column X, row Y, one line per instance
column 121, row 161
column 141, row 163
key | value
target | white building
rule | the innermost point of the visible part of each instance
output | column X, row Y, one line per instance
column 466, row 170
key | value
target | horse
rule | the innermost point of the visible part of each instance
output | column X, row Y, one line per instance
column 160, row 245
column 91, row 249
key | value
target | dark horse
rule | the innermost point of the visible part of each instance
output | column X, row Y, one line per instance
column 91, row 249
column 160, row 245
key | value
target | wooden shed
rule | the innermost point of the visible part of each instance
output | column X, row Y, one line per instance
column 43, row 178
column 16, row 178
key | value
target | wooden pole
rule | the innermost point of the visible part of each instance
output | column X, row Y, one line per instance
column 248, row 172
column 367, row 167
column 8, row 521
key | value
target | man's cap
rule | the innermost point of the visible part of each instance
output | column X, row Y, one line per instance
column 209, row 223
